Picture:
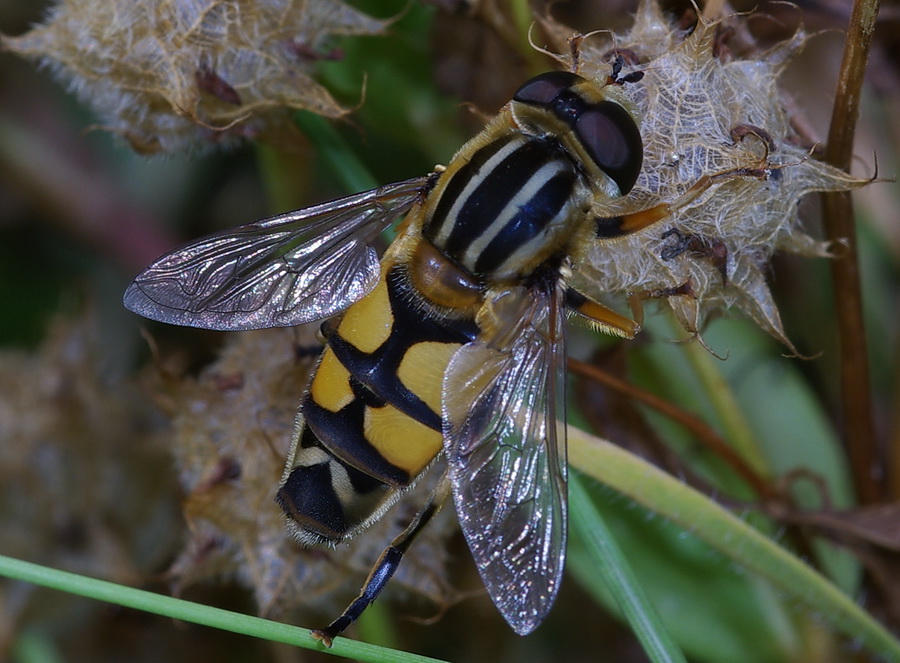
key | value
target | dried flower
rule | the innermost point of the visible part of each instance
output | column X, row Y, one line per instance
column 169, row 74
column 84, row 476
column 704, row 112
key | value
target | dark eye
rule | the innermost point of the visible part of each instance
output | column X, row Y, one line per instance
column 605, row 129
column 609, row 134
column 543, row 89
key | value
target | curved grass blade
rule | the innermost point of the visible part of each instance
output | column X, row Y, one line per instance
column 704, row 519
column 196, row 613
column 615, row 571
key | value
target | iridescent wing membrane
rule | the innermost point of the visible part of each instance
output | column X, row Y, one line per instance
column 506, row 452
column 286, row 270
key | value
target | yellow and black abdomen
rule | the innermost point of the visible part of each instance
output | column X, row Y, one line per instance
column 509, row 210
column 372, row 418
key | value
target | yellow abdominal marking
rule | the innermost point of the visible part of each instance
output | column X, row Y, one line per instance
column 422, row 370
column 403, row 441
column 330, row 387
column 367, row 324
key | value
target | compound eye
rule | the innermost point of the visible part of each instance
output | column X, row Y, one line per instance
column 612, row 139
column 543, row 89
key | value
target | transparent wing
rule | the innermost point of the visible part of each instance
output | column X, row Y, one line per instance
column 504, row 418
column 285, row 270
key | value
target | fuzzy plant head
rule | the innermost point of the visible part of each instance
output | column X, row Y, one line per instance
column 170, row 75
column 704, row 112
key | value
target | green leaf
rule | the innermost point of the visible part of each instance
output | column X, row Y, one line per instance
column 706, row 521
column 611, row 567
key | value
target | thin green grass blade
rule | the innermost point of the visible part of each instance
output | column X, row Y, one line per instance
column 195, row 613
column 614, row 570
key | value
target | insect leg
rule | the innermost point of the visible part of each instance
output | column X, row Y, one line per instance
column 618, row 226
column 604, row 317
column 387, row 564
column 706, row 247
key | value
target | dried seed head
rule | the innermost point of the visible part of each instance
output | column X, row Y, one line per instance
column 169, row 75
column 704, row 111
column 84, row 475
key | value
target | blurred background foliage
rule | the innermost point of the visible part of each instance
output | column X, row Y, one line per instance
column 87, row 479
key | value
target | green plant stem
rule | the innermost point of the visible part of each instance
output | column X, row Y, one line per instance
column 286, row 177
column 734, row 538
column 174, row 608
column 35, row 647
column 338, row 157
column 737, row 430
column 859, row 428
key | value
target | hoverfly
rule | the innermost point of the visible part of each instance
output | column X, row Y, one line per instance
column 452, row 344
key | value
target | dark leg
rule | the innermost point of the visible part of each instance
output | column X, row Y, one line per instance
column 386, row 565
